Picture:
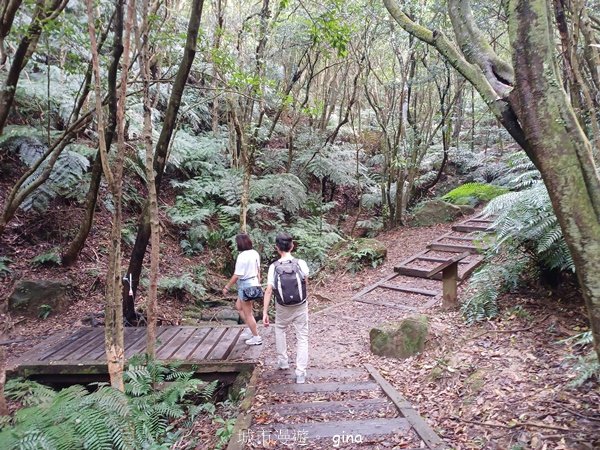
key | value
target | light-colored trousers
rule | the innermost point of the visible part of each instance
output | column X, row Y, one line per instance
column 297, row 316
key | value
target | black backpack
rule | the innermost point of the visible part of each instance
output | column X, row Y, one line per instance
column 290, row 285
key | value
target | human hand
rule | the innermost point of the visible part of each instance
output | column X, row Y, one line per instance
column 265, row 319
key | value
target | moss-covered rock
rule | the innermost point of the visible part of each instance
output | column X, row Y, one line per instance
column 400, row 340
column 364, row 252
column 29, row 296
column 435, row 211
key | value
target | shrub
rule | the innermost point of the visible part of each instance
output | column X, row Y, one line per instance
column 74, row 418
column 473, row 194
column 180, row 286
column 362, row 253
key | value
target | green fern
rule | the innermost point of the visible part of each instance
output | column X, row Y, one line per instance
column 74, row 418
column 5, row 271
column 182, row 285
column 49, row 258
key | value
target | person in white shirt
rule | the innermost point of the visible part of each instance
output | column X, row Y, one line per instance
column 246, row 274
column 287, row 279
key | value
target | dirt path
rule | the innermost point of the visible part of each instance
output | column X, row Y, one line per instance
column 478, row 387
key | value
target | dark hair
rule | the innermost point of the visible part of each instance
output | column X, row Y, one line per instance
column 284, row 241
column 243, row 242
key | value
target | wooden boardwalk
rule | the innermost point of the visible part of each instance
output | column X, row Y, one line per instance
column 209, row 349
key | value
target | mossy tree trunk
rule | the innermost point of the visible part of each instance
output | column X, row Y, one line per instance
column 532, row 105
column 557, row 145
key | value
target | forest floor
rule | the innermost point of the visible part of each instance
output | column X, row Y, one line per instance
column 501, row 384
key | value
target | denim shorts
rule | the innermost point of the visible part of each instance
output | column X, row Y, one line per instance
column 243, row 284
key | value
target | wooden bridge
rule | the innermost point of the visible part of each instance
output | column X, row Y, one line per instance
column 79, row 355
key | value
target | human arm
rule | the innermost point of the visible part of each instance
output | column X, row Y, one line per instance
column 230, row 283
column 266, row 303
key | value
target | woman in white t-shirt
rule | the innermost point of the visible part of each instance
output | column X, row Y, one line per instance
column 246, row 274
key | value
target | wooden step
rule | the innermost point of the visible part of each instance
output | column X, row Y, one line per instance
column 319, row 430
column 438, row 260
column 280, row 376
column 453, row 248
column 323, row 387
column 369, row 404
column 409, row 289
column 471, row 228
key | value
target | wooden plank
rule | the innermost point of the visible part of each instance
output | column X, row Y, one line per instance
column 45, row 355
column 471, row 228
column 64, row 350
column 453, row 248
column 439, row 260
column 239, row 435
column 176, row 343
column 207, row 345
column 422, row 428
column 425, row 305
column 225, row 344
column 192, row 343
column 328, row 406
column 343, row 372
column 409, row 289
column 323, row 387
column 98, row 341
column 320, row 430
column 135, row 341
column 165, row 347
column 411, row 271
column 446, row 264
column 369, row 288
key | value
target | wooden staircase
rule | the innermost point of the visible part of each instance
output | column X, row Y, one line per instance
column 348, row 407
column 439, row 261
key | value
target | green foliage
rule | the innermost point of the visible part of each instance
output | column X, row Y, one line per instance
column 361, row 253
column 488, row 283
column 526, row 221
column 74, row 418
column 314, row 238
column 65, row 177
column 182, row 285
column 586, row 368
column 44, row 311
column 473, row 194
column 5, row 271
column 49, row 258
column 225, row 431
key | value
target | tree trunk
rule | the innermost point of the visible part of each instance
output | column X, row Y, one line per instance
column 72, row 253
column 160, row 158
column 152, row 196
column 43, row 13
column 7, row 15
column 558, row 146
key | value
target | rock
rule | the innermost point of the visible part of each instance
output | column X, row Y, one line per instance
column 28, row 296
column 221, row 315
column 400, row 340
column 466, row 210
column 435, row 211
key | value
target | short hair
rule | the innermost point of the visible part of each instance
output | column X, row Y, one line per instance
column 243, row 242
column 284, row 242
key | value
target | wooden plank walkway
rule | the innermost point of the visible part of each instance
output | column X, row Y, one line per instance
column 354, row 407
column 208, row 349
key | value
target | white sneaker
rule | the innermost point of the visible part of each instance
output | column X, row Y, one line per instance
column 301, row 379
column 246, row 334
column 254, row 340
column 283, row 366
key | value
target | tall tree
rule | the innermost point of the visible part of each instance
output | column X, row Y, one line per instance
column 528, row 99
column 44, row 12
column 113, row 172
column 160, row 157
